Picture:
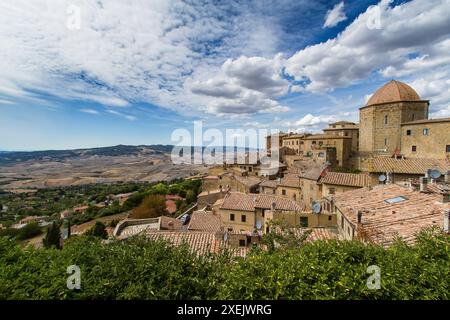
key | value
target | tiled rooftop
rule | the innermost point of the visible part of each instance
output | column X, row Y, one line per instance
column 205, row 221
column 290, row 180
column 200, row 243
column 346, row 179
column 390, row 210
column 408, row 166
column 248, row 202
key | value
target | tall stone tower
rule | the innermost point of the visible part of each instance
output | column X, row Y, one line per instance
column 380, row 119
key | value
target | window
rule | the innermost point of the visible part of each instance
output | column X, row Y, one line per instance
column 447, row 148
column 321, row 155
column 408, row 132
column 283, row 192
column 243, row 218
column 385, row 141
column 414, row 148
column 426, row 131
column 385, row 119
column 294, row 196
column 342, row 221
column 231, row 216
column 412, row 117
column 242, row 243
column 304, row 222
column 396, row 199
column 332, row 190
column 329, row 218
column 230, row 229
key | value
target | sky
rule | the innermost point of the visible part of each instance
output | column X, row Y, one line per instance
column 84, row 73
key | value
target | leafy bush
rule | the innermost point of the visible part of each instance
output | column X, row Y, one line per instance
column 98, row 230
column 142, row 269
column 153, row 206
column 29, row 231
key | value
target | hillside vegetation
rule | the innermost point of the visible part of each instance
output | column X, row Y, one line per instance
column 141, row 269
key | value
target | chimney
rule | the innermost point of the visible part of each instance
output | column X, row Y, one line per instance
column 360, row 216
column 423, row 184
column 273, row 206
column 447, row 221
column 428, row 173
column 389, row 177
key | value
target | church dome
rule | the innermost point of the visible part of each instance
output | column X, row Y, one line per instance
column 393, row 91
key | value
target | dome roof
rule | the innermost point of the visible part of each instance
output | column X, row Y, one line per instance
column 393, row 91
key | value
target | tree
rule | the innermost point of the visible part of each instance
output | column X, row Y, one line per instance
column 190, row 197
column 282, row 236
column 98, row 230
column 29, row 231
column 53, row 237
column 151, row 207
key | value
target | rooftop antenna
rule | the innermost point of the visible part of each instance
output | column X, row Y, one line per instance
column 258, row 224
column 316, row 207
column 434, row 174
column 382, row 178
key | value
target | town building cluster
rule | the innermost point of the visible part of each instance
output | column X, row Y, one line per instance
column 384, row 177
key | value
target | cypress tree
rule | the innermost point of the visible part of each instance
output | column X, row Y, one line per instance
column 53, row 237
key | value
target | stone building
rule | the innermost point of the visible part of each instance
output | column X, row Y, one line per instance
column 345, row 129
column 426, row 138
column 381, row 118
column 342, row 145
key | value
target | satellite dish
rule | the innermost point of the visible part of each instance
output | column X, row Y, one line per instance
column 382, row 178
column 316, row 207
column 258, row 224
column 435, row 174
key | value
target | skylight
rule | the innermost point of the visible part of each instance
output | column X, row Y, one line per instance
column 395, row 200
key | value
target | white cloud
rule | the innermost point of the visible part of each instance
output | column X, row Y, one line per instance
column 310, row 120
column 90, row 111
column 244, row 85
column 120, row 114
column 335, row 16
column 414, row 27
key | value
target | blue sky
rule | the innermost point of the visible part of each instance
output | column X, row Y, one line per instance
column 85, row 74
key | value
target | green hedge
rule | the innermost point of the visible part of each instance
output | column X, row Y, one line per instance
column 139, row 269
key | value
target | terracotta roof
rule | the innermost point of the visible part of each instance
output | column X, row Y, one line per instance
column 322, row 234
column 248, row 181
column 248, row 202
column 408, row 166
column 205, row 221
column 393, row 91
column 346, row 179
column 341, row 123
column 200, row 243
column 325, row 136
column 211, row 178
column 426, row 121
column 269, row 183
column 382, row 221
column 290, row 180
column 164, row 223
column 313, row 173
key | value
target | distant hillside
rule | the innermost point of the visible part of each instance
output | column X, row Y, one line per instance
column 9, row 158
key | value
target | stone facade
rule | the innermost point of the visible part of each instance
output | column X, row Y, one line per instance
column 426, row 139
column 380, row 125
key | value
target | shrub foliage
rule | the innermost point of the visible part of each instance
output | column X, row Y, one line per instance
column 140, row 269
